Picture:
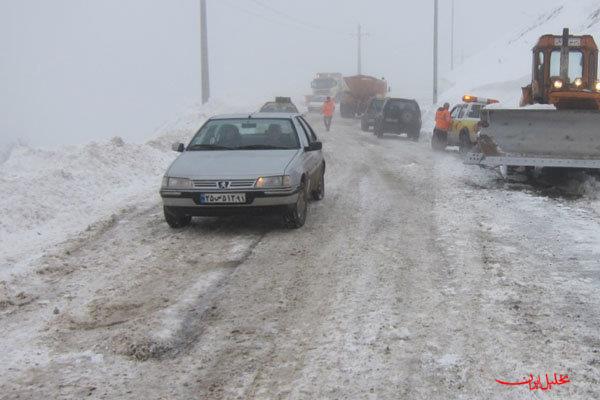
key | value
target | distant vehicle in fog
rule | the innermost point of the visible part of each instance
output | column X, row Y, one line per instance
column 315, row 103
column 399, row 116
column 263, row 162
column 280, row 105
column 358, row 91
column 328, row 84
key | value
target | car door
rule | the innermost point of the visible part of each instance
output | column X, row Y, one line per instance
column 456, row 114
column 472, row 119
column 314, row 159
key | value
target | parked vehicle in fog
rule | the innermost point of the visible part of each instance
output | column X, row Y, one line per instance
column 399, row 116
column 280, row 105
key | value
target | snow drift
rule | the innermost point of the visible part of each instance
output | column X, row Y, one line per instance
column 51, row 194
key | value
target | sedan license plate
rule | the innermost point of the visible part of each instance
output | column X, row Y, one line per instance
column 223, row 198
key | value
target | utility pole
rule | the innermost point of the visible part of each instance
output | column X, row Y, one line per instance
column 204, row 53
column 435, row 52
column 359, row 50
column 452, row 39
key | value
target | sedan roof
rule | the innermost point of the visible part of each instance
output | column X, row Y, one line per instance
column 257, row 115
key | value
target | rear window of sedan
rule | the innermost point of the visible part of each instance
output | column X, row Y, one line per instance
column 246, row 134
column 279, row 107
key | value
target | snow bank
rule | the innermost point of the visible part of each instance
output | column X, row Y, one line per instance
column 51, row 194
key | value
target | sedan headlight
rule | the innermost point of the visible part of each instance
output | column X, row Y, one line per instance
column 265, row 182
column 177, row 183
column 558, row 84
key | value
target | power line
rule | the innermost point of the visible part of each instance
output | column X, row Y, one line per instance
column 278, row 21
column 295, row 19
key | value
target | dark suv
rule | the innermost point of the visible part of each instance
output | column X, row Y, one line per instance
column 374, row 107
column 399, row 116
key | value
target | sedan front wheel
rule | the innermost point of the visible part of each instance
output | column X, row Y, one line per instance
column 296, row 216
column 175, row 219
column 319, row 193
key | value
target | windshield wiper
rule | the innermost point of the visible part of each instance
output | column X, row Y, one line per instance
column 262, row 147
column 208, row 147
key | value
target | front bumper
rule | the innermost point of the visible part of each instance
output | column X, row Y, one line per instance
column 188, row 202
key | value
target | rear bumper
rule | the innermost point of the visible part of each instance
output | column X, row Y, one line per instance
column 399, row 128
column 256, row 203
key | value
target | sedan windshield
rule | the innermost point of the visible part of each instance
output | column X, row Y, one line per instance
column 245, row 134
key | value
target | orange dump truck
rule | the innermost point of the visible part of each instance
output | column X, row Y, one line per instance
column 358, row 90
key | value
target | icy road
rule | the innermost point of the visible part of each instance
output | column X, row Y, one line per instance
column 416, row 278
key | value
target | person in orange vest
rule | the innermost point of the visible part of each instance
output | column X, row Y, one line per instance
column 443, row 123
column 328, row 109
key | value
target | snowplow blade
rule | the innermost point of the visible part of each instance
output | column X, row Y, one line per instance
column 539, row 138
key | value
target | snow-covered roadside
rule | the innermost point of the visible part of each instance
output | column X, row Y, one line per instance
column 49, row 195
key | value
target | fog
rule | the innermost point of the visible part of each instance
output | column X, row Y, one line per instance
column 74, row 71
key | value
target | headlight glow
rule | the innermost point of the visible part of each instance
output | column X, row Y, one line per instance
column 179, row 183
column 597, row 86
column 558, row 84
column 273, row 182
column 578, row 82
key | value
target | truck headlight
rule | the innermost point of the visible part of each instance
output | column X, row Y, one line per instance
column 265, row 182
column 177, row 183
column 558, row 84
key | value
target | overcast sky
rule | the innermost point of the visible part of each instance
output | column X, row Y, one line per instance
column 73, row 70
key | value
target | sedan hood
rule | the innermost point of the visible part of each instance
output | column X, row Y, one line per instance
column 239, row 164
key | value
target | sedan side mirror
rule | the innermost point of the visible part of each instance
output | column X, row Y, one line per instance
column 178, row 147
column 314, row 146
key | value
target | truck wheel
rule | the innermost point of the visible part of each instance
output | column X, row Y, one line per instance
column 296, row 216
column 464, row 143
column 343, row 110
column 364, row 126
column 175, row 219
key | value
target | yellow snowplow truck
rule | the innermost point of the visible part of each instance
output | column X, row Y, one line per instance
column 566, row 132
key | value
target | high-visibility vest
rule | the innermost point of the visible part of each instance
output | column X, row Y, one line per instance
column 328, row 108
column 443, row 120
